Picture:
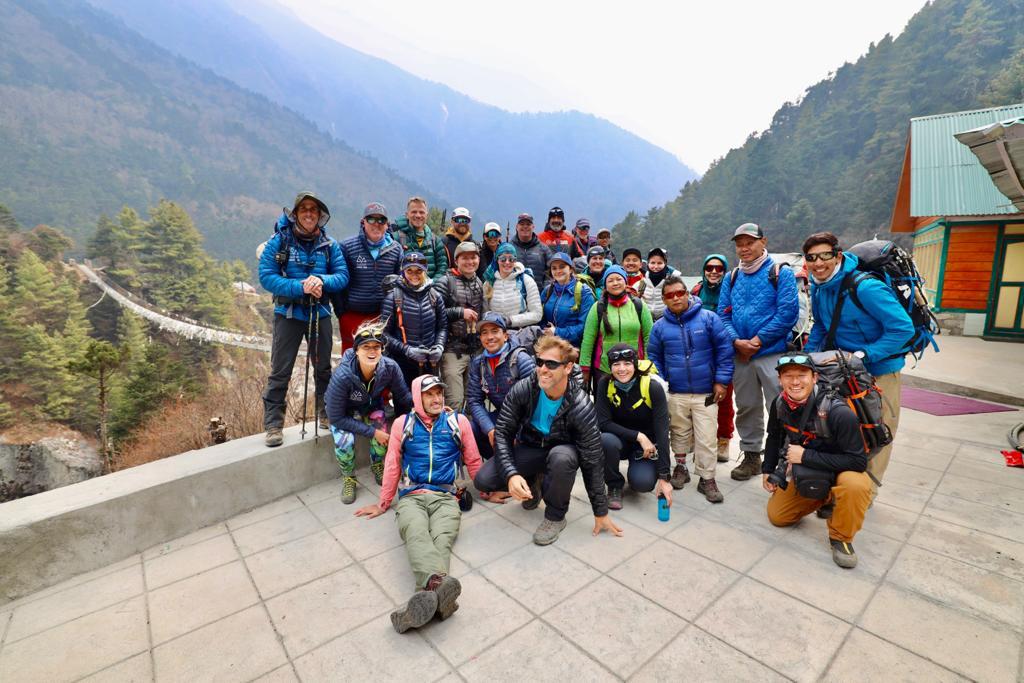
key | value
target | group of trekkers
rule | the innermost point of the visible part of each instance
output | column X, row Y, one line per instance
column 526, row 360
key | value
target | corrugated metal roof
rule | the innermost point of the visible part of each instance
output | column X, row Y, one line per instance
column 946, row 179
column 1000, row 149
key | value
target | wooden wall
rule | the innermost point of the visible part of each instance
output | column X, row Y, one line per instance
column 968, row 268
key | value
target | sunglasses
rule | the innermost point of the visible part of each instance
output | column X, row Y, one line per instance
column 714, row 269
column 625, row 354
column 460, row 220
column 379, row 220
column 798, row 360
column 551, row 364
column 672, row 296
column 492, row 234
column 506, row 259
column 821, row 256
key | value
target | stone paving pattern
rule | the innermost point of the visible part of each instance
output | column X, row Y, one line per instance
column 301, row 590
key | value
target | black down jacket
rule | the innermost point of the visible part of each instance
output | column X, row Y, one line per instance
column 419, row 320
column 575, row 424
column 459, row 294
column 534, row 255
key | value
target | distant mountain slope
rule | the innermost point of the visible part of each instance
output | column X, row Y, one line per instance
column 497, row 163
column 832, row 160
column 95, row 116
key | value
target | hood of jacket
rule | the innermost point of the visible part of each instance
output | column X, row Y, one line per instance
column 417, row 401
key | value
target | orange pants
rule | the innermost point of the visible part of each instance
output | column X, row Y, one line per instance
column 851, row 494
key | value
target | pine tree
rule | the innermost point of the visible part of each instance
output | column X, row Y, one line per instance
column 99, row 362
column 35, row 297
column 8, row 223
column 49, row 243
column 49, row 382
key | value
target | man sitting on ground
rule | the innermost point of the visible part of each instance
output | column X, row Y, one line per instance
column 426, row 449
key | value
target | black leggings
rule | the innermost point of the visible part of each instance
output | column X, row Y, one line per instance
column 642, row 472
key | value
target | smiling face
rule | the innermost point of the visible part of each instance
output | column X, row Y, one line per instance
column 604, row 240
column 623, row 370
column 433, row 400
column 826, row 260
column 797, row 381
column 506, row 262
column 524, row 230
column 717, row 271
column 369, row 353
column 552, row 380
column 417, row 215
column 631, row 263
column 615, row 284
column 492, row 337
column 461, row 225
column 596, row 264
column 656, row 264
column 556, row 223
column 561, row 272
column 307, row 215
column 492, row 240
column 375, row 226
column 750, row 248
column 468, row 263
column 415, row 276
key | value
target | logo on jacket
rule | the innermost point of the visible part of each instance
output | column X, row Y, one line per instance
column 361, row 261
column 356, row 395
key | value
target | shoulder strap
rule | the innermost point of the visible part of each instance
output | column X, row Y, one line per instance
column 733, row 275
column 407, row 428
column 548, row 291
column 849, row 283
column 577, row 295
column 695, row 290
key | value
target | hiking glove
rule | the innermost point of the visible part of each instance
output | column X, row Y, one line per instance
column 417, row 354
column 435, row 353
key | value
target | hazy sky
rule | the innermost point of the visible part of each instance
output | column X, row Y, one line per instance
column 696, row 79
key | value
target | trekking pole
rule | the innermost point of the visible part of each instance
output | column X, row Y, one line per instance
column 305, row 390
column 316, row 363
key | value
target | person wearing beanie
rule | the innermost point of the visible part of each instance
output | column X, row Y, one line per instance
column 510, row 291
column 650, row 286
column 554, row 235
column 415, row 321
column 616, row 317
column 708, row 289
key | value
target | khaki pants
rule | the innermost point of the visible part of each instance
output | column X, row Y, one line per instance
column 694, row 423
column 851, row 495
column 890, row 387
column 429, row 524
column 455, row 373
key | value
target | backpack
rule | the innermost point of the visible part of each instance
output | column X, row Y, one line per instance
column 577, row 294
column 648, row 372
column 389, row 284
column 453, row 423
column 888, row 262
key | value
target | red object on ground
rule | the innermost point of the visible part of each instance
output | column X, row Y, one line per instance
column 1013, row 458
column 726, row 414
column 938, row 403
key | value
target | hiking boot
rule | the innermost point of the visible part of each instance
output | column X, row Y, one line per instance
column 614, row 498
column 825, row 511
column 547, row 532
column 378, row 471
column 418, row 611
column 447, row 589
column 535, row 492
column 723, row 450
column 710, row 490
column 348, row 492
column 750, row 467
column 680, row 475
column 842, row 554
column 274, row 437
column 322, row 422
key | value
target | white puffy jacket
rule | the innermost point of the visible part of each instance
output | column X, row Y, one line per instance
column 505, row 296
column 651, row 293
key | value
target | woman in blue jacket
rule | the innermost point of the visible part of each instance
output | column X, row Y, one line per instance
column 566, row 300
column 356, row 398
column 415, row 321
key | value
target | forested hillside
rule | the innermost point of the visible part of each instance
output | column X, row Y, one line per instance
column 832, row 160
column 495, row 162
column 95, row 117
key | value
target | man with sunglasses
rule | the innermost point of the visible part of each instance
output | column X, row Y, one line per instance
column 604, row 239
column 581, row 239
column 708, row 289
column 692, row 350
column 531, row 252
column 371, row 254
column 460, row 230
column 546, row 430
column 871, row 322
column 819, row 438
column 759, row 306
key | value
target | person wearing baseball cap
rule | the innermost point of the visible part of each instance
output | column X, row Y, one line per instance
column 758, row 304
column 566, row 300
column 814, row 455
column 554, row 236
column 301, row 267
column 650, row 286
column 581, row 239
column 425, row 453
column 492, row 238
column 415, row 320
column 460, row 230
column 371, row 254
column 633, row 263
column 604, row 239
column 531, row 252
column 492, row 372
column 463, row 294
column 356, row 399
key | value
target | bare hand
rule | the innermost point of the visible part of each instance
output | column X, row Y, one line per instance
column 381, row 437
column 518, row 488
column 664, row 488
column 496, row 497
column 369, row 511
column 550, row 330
column 604, row 523
column 794, row 454
column 490, row 437
column 311, row 284
column 719, row 392
column 470, row 315
column 650, row 450
column 767, row 485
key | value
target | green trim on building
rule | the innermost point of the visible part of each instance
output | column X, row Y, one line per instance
column 942, row 266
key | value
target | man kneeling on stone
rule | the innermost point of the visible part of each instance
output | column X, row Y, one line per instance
column 546, row 430
column 814, row 454
column 425, row 451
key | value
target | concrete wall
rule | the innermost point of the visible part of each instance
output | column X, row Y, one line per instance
column 52, row 536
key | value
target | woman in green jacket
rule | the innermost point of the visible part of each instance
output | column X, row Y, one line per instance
column 616, row 318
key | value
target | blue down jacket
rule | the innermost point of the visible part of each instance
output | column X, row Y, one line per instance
column 347, row 396
column 366, row 273
column 756, row 308
column 558, row 303
column 485, row 385
column 692, row 351
column 882, row 328
column 321, row 257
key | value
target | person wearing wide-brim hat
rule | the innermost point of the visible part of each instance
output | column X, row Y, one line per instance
column 301, row 266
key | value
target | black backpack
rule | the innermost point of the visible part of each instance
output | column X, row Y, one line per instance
column 888, row 262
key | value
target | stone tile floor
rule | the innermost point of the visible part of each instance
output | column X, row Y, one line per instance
column 300, row 589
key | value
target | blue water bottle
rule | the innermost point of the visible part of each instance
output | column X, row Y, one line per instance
column 663, row 508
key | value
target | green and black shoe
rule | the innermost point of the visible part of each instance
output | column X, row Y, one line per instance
column 843, row 554
column 378, row 471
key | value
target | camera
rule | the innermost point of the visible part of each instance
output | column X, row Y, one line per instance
column 778, row 477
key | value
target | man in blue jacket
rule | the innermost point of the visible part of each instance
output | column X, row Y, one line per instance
column 371, row 254
column 300, row 265
column 873, row 325
column 759, row 306
column 693, row 351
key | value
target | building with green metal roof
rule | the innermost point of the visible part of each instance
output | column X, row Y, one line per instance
column 968, row 235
